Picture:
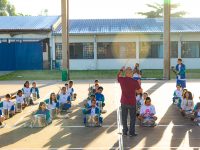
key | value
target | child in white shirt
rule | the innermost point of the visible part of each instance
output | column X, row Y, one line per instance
column 177, row 94
column 9, row 105
column 64, row 99
column 147, row 110
column 187, row 104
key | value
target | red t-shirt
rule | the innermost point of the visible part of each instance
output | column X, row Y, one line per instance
column 128, row 87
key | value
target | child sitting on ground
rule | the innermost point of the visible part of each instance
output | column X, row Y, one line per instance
column 42, row 110
column 27, row 93
column 137, row 73
column 52, row 102
column 9, row 106
column 187, row 104
column 70, row 90
column 177, row 95
column 64, row 99
column 147, row 111
column 20, row 99
column 35, row 91
column 92, row 89
column 99, row 96
column 95, row 112
column 197, row 113
column 89, row 101
column 139, row 102
column 2, row 118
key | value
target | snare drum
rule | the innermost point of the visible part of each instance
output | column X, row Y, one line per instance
column 53, row 113
column 99, row 103
column 6, row 113
column 28, row 101
column 18, row 107
column 92, row 121
column 39, row 121
column 34, row 96
column 148, row 122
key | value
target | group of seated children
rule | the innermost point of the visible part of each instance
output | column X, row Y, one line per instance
column 57, row 103
column 145, row 110
column 23, row 98
column 184, row 100
column 94, row 104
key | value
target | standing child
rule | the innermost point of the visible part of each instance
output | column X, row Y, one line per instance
column 8, row 106
column 147, row 111
column 70, row 90
column 187, row 104
column 35, row 91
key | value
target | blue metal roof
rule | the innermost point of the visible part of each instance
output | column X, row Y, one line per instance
column 116, row 26
column 27, row 22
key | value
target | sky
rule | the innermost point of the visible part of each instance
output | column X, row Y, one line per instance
column 92, row 9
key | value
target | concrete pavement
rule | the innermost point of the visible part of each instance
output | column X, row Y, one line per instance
column 173, row 131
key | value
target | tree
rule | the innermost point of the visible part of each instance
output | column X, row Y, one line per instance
column 158, row 9
column 6, row 9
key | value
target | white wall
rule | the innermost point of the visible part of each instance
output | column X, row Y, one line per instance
column 84, row 64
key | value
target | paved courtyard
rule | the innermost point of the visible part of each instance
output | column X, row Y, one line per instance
column 173, row 131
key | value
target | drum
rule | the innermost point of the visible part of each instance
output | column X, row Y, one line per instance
column 189, row 114
column 6, row 113
column 92, row 121
column 18, row 107
column 99, row 103
column 34, row 96
column 148, row 122
column 39, row 121
column 28, row 101
column 53, row 113
column 73, row 97
column 176, row 101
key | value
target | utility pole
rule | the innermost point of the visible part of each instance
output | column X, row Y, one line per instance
column 166, row 69
column 65, row 39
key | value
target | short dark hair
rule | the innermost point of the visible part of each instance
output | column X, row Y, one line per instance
column 92, row 95
column 179, row 59
column 19, row 91
column 93, row 100
column 7, row 96
column 146, row 93
column 96, row 80
column 147, row 99
column 71, row 81
column 100, row 88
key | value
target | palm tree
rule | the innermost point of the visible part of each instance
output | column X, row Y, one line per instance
column 157, row 11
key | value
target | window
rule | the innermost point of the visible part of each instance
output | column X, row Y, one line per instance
column 151, row 49
column 174, row 49
column 116, row 50
column 77, row 50
column 190, row 49
column 58, row 48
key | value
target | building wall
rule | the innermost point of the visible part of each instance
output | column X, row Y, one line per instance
column 33, row 36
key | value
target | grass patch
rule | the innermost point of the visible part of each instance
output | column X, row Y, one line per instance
column 86, row 74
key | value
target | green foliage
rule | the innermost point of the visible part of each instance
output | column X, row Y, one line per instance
column 7, row 9
column 157, row 11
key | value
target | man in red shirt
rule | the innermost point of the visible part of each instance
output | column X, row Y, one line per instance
column 128, row 99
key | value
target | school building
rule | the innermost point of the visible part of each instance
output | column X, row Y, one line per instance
column 96, row 43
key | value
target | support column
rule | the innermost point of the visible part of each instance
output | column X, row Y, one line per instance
column 65, row 40
column 52, row 49
column 95, row 52
column 179, row 46
column 138, row 50
column 166, row 69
